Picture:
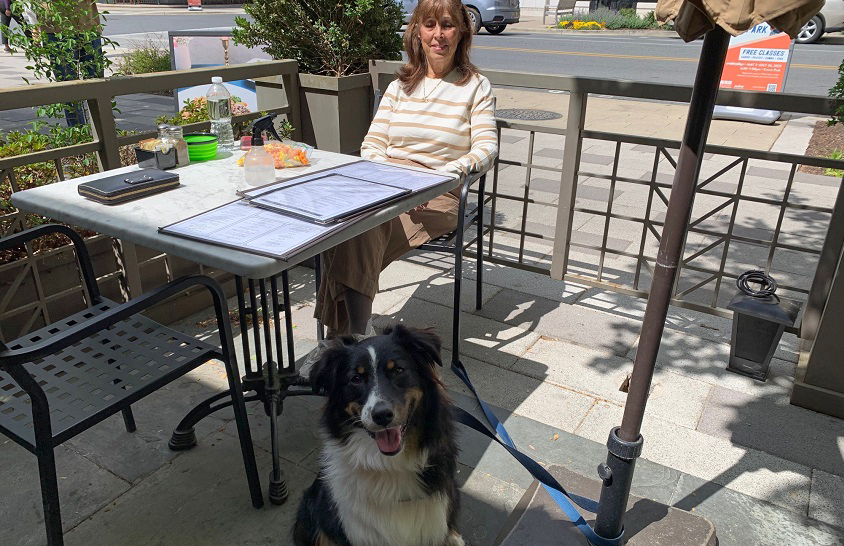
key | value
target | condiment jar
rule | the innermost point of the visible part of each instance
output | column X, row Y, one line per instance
column 178, row 139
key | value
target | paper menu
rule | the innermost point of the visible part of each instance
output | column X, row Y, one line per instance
column 327, row 198
column 245, row 227
column 372, row 171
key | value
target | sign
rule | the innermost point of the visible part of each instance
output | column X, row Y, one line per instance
column 203, row 48
column 757, row 60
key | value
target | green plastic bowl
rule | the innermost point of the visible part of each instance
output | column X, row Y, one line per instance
column 201, row 146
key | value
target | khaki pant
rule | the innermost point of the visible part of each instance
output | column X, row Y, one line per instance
column 358, row 262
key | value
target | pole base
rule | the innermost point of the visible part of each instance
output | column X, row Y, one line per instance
column 538, row 521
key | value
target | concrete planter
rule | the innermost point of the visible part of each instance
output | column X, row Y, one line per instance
column 336, row 112
column 60, row 289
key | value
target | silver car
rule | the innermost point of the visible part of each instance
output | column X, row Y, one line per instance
column 493, row 15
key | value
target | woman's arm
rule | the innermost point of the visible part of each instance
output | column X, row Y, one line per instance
column 484, row 144
column 375, row 142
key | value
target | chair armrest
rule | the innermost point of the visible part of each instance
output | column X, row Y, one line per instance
column 82, row 256
column 117, row 314
column 471, row 178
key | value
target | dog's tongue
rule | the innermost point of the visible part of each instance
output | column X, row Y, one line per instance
column 389, row 440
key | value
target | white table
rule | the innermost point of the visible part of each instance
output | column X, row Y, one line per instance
column 205, row 186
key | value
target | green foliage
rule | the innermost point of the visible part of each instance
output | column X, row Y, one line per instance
column 73, row 25
column 837, row 92
column 43, row 136
column 326, row 37
column 625, row 18
column 144, row 59
column 836, row 154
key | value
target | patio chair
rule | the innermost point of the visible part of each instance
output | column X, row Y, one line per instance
column 452, row 243
column 558, row 8
column 66, row 377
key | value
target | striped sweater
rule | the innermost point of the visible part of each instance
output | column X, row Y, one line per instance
column 441, row 125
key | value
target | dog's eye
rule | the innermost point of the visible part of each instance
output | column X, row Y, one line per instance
column 356, row 380
column 398, row 370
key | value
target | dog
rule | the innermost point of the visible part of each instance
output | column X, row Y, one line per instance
column 389, row 461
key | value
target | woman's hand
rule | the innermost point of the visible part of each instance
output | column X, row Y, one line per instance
column 8, row 13
column 420, row 208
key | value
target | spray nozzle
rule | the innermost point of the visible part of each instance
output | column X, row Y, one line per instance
column 260, row 125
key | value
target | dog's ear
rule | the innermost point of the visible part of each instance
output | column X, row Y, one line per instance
column 418, row 341
column 323, row 375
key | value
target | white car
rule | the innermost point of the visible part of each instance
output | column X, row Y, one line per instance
column 830, row 18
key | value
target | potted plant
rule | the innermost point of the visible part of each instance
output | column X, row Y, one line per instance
column 332, row 42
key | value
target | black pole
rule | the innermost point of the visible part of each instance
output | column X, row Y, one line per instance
column 625, row 442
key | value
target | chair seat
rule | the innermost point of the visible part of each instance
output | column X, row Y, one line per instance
column 99, row 376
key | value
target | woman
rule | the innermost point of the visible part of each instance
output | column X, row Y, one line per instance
column 438, row 114
column 6, row 18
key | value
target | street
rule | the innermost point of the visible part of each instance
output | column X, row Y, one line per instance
column 628, row 57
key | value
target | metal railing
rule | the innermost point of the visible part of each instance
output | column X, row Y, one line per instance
column 705, row 267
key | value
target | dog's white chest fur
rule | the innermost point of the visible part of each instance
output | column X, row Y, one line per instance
column 379, row 499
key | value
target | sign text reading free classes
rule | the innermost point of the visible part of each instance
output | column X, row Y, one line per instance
column 757, row 60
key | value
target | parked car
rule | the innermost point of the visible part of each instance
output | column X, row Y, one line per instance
column 830, row 19
column 493, row 15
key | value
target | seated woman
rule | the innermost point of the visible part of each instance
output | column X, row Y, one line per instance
column 438, row 114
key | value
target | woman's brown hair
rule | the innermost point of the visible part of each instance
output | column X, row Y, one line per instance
column 412, row 73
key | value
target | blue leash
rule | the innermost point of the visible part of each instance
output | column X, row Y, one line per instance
column 563, row 498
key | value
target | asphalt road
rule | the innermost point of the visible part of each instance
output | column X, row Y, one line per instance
column 639, row 58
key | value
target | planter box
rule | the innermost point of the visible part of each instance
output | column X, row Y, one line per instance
column 336, row 112
column 60, row 285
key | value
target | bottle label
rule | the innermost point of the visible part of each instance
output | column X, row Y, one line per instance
column 219, row 109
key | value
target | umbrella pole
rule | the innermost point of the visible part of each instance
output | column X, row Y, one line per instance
column 625, row 442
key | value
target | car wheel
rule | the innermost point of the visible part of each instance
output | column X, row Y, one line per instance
column 495, row 29
column 811, row 31
column 474, row 19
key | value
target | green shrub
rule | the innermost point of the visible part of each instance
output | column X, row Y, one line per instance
column 144, row 59
column 625, row 18
column 837, row 92
column 326, row 37
column 829, row 171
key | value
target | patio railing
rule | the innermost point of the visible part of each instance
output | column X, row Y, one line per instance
column 710, row 264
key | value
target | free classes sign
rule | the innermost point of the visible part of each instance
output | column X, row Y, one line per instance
column 757, row 60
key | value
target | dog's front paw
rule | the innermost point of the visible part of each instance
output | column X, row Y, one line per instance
column 454, row 539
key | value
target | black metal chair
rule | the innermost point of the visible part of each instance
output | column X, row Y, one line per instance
column 62, row 379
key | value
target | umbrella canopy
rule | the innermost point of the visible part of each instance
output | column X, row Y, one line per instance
column 694, row 18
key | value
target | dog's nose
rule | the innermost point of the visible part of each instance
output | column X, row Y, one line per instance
column 382, row 414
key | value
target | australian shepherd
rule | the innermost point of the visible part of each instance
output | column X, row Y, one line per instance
column 387, row 475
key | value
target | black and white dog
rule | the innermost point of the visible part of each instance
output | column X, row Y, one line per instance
column 387, row 476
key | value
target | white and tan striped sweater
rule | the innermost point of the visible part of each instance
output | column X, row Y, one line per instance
column 441, row 125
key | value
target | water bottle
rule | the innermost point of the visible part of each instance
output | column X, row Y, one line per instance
column 220, row 112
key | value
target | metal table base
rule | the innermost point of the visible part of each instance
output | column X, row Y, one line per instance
column 267, row 377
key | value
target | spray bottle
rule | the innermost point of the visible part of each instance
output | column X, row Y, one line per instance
column 258, row 165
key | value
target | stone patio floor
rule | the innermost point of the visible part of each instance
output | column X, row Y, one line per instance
column 549, row 355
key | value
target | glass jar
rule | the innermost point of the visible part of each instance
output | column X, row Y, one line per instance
column 178, row 139
column 165, row 141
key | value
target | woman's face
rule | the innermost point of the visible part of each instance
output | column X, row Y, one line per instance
column 439, row 36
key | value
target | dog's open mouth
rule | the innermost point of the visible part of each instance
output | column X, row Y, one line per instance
column 389, row 440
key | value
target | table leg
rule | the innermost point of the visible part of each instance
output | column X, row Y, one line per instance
column 278, row 480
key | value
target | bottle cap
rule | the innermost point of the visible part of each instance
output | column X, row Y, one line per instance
column 217, row 79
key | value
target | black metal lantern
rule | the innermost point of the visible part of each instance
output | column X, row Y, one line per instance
column 759, row 319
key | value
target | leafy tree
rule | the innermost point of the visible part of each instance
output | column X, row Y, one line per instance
column 326, row 37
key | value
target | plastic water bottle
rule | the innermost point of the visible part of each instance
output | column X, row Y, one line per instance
column 220, row 112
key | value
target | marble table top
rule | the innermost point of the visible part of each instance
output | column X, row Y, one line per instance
column 204, row 186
